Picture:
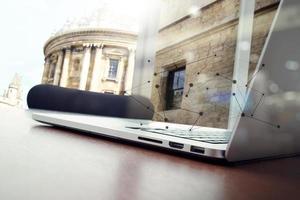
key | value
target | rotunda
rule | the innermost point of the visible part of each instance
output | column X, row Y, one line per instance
column 92, row 54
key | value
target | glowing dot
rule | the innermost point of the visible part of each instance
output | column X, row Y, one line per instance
column 274, row 88
column 245, row 46
column 292, row 65
column 290, row 96
column 194, row 11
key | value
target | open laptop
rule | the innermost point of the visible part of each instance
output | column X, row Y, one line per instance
column 267, row 106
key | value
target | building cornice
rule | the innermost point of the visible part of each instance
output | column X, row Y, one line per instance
column 233, row 21
column 89, row 35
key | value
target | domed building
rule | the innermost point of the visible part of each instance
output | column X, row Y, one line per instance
column 93, row 54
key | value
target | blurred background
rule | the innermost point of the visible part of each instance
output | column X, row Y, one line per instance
column 91, row 45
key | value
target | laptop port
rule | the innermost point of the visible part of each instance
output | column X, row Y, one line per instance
column 199, row 150
column 150, row 140
column 176, row 145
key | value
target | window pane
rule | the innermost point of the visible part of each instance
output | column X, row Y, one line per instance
column 177, row 98
column 175, row 88
column 178, row 79
column 113, row 68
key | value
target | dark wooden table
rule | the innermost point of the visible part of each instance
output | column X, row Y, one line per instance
column 39, row 162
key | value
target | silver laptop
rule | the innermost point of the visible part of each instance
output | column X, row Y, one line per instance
column 266, row 106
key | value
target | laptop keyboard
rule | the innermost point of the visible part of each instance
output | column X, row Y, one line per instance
column 202, row 136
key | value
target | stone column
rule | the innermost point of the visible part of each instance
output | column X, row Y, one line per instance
column 120, row 74
column 85, row 67
column 65, row 68
column 97, row 75
column 58, row 68
column 103, row 72
column 46, row 71
column 130, row 71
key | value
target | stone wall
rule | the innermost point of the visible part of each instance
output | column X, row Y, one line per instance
column 205, row 45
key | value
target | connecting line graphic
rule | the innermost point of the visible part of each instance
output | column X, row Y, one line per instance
column 136, row 87
column 192, row 85
column 230, row 117
column 264, row 122
column 145, row 106
column 190, row 63
column 239, row 104
column 257, row 105
column 196, row 61
column 247, row 86
column 200, row 115
column 184, row 109
column 234, row 95
column 255, row 74
column 243, row 114
column 159, row 95
column 238, row 85
column 244, row 96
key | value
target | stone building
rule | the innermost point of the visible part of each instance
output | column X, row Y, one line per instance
column 13, row 95
column 94, row 54
column 195, row 58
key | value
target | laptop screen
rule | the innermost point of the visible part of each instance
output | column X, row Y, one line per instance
column 194, row 58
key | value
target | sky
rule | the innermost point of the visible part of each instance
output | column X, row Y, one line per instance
column 26, row 26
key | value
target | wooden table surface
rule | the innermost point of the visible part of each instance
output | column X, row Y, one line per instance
column 39, row 162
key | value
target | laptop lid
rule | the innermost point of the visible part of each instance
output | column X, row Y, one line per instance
column 269, row 123
column 206, row 69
